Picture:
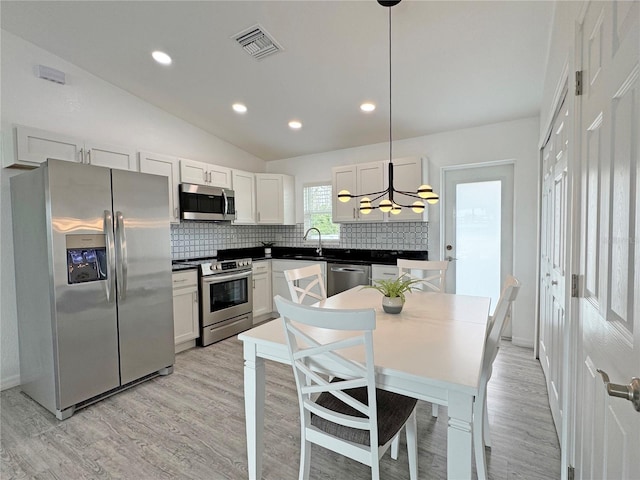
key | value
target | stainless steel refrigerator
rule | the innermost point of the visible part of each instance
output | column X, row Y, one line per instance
column 93, row 282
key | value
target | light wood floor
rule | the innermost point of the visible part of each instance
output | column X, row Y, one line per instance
column 191, row 425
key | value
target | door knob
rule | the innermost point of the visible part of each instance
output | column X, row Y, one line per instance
column 631, row 392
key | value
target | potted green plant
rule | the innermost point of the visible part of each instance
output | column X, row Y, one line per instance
column 393, row 291
column 267, row 248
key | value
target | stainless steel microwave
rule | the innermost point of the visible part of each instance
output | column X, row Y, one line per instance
column 199, row 202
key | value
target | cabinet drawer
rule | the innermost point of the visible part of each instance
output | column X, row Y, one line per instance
column 261, row 267
column 188, row 278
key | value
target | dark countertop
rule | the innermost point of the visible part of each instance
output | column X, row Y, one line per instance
column 332, row 255
column 354, row 256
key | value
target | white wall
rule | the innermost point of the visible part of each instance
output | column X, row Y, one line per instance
column 515, row 140
column 92, row 109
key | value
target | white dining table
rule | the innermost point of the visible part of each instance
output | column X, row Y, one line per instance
column 431, row 351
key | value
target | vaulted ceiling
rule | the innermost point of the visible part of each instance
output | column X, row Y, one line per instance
column 456, row 64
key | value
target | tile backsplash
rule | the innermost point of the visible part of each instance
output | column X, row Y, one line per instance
column 202, row 239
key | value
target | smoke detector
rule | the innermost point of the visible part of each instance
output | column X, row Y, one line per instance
column 257, row 42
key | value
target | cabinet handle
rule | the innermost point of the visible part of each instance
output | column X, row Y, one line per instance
column 254, row 284
column 81, row 155
column 180, row 281
column 175, row 212
column 210, row 177
column 88, row 157
column 204, row 176
column 195, row 297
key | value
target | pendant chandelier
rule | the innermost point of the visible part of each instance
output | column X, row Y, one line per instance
column 388, row 204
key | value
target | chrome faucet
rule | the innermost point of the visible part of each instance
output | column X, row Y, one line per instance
column 319, row 249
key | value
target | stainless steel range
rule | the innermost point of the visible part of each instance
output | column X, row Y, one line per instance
column 226, row 299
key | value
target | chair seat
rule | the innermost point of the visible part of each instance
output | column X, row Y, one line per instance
column 393, row 412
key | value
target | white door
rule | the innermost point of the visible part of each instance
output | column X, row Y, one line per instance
column 244, row 187
column 371, row 177
column 110, row 156
column 478, row 226
column 194, row 172
column 269, row 194
column 608, row 428
column 553, row 261
column 157, row 164
column 344, row 178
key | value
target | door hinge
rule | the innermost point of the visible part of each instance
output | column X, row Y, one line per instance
column 579, row 82
column 574, row 285
column 571, row 473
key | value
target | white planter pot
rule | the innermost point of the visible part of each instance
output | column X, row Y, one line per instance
column 392, row 305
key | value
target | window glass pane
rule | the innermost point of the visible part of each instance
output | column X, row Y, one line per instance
column 318, row 212
column 478, row 237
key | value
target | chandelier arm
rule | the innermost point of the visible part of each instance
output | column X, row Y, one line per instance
column 408, row 194
column 369, row 194
column 379, row 196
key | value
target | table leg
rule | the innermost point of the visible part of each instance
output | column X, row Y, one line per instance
column 459, row 436
column 254, row 408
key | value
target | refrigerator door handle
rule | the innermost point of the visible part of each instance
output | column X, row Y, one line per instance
column 108, row 232
column 123, row 262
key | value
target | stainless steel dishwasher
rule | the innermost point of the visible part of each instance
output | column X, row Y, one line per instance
column 341, row 277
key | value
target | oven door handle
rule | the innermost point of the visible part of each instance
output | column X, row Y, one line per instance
column 222, row 278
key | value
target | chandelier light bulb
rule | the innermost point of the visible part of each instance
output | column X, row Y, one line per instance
column 385, row 206
column 432, row 198
column 395, row 209
column 365, row 206
column 344, row 196
column 417, row 206
column 424, row 191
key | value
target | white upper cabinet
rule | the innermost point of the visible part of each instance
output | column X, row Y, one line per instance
column 110, row 156
column 34, row 146
column 357, row 179
column 245, row 197
column 373, row 177
column 202, row 173
column 275, row 199
column 167, row 166
column 408, row 176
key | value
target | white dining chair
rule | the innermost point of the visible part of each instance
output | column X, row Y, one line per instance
column 312, row 280
column 495, row 329
column 346, row 414
column 430, row 274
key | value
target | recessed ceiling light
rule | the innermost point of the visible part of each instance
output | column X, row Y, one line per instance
column 296, row 125
column 161, row 57
column 367, row 107
column 239, row 107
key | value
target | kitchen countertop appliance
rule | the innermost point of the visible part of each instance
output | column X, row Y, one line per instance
column 93, row 282
column 341, row 277
column 226, row 298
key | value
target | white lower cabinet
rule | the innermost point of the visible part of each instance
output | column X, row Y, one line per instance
column 279, row 283
column 262, row 307
column 383, row 272
column 185, row 309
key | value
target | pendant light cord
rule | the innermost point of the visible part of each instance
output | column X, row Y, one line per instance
column 390, row 132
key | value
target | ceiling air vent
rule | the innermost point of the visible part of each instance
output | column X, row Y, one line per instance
column 257, row 42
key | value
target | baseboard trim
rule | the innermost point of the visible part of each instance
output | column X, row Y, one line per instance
column 522, row 342
column 9, row 382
